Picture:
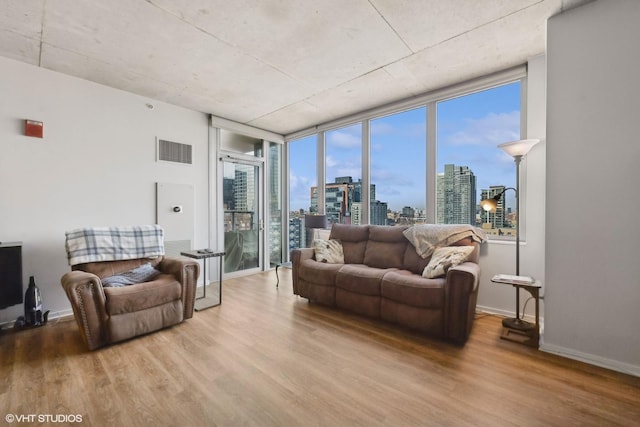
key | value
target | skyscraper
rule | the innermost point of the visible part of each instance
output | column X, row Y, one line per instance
column 456, row 195
column 378, row 212
column 340, row 197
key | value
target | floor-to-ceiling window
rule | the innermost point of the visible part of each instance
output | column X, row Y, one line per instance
column 430, row 161
column 398, row 152
column 303, row 160
column 275, row 204
column 470, row 167
column 343, row 171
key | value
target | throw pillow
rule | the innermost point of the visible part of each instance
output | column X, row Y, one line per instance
column 329, row 251
column 445, row 258
column 144, row 273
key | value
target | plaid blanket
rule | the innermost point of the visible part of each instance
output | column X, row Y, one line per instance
column 114, row 243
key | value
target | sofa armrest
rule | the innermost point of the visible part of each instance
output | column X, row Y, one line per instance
column 297, row 256
column 461, row 294
column 186, row 271
column 88, row 301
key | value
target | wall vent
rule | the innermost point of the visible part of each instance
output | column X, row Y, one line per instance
column 174, row 152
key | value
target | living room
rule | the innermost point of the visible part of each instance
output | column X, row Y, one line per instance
column 96, row 165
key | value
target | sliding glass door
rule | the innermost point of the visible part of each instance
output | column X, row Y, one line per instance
column 243, row 222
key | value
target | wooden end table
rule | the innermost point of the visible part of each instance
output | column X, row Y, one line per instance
column 517, row 329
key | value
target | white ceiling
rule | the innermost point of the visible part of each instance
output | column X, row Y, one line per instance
column 279, row 65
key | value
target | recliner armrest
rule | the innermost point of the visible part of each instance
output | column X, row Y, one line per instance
column 297, row 256
column 461, row 293
column 88, row 301
column 186, row 271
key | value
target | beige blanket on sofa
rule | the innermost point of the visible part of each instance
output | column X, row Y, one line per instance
column 427, row 237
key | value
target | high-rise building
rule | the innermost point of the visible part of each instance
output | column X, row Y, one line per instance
column 378, row 213
column 356, row 213
column 240, row 191
column 337, row 202
column 456, row 195
column 408, row 212
column 339, row 199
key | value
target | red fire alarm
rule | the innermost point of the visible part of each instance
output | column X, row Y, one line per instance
column 33, row 128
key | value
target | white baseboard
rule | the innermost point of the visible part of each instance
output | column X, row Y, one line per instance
column 491, row 310
column 591, row 359
column 53, row 315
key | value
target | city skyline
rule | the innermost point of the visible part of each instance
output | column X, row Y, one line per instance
column 469, row 128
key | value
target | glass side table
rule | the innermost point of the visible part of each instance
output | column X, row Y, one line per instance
column 204, row 301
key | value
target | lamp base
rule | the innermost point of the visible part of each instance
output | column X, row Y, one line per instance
column 518, row 324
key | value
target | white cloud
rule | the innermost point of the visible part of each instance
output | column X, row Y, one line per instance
column 491, row 130
column 297, row 182
column 344, row 139
column 382, row 128
column 330, row 162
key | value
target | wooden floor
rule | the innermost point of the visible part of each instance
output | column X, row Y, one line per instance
column 268, row 358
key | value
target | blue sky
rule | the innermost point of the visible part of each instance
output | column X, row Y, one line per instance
column 469, row 128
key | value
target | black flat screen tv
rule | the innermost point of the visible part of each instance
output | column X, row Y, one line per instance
column 10, row 274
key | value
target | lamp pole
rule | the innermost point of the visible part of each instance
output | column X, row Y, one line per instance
column 517, row 159
column 517, row 321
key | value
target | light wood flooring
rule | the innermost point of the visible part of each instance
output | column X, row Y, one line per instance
column 268, row 358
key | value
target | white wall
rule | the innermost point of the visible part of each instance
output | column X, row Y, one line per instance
column 500, row 257
column 593, row 200
column 95, row 166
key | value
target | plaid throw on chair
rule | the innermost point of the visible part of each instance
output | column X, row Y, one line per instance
column 114, row 243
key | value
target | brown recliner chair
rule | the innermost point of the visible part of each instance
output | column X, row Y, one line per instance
column 106, row 315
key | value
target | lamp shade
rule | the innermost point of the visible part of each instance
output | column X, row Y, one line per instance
column 518, row 148
column 315, row 221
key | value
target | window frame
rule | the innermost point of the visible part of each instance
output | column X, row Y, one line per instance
column 428, row 100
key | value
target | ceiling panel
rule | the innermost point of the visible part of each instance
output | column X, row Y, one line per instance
column 281, row 65
column 322, row 43
column 427, row 23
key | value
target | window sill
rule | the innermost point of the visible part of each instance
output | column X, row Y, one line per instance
column 505, row 242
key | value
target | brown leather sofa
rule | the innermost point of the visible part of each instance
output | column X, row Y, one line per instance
column 107, row 315
column 382, row 278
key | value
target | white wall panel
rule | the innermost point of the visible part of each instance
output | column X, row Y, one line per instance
column 592, row 234
column 95, row 166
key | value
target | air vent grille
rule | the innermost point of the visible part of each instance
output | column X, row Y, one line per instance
column 174, row 152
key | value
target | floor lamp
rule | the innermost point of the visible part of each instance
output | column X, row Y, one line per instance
column 314, row 222
column 517, row 150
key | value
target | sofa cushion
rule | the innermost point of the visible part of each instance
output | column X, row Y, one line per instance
column 144, row 273
column 414, row 262
column 354, row 241
column 366, row 305
column 132, row 298
column 329, row 251
column 445, row 258
column 412, row 289
column 386, row 247
column 360, row 279
column 319, row 273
